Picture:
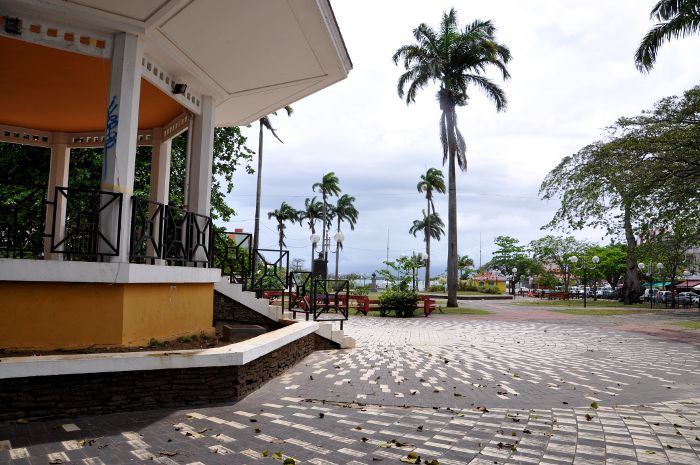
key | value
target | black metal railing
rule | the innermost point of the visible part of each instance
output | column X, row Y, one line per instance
column 301, row 298
column 146, row 245
column 331, row 300
column 22, row 217
column 168, row 233
column 92, row 227
column 233, row 255
column 269, row 273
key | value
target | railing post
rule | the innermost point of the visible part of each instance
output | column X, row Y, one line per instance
column 56, row 214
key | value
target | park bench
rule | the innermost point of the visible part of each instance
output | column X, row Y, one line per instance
column 558, row 296
column 425, row 303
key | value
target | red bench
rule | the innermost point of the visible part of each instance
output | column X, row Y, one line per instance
column 426, row 303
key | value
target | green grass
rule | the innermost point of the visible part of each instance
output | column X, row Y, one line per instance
column 599, row 311
column 688, row 324
column 578, row 303
column 463, row 311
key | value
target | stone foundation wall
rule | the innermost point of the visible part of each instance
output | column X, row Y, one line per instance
column 97, row 393
column 229, row 310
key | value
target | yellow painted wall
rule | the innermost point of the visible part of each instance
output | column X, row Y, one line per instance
column 59, row 315
column 166, row 311
column 41, row 316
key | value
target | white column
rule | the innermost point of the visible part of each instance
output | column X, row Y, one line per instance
column 120, row 140
column 160, row 179
column 200, row 167
column 58, row 176
column 160, row 168
column 201, row 160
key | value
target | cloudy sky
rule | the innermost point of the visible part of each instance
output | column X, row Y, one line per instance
column 572, row 74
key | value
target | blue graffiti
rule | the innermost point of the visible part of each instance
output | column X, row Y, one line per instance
column 112, row 122
column 110, row 130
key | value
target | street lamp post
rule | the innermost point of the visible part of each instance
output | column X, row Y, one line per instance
column 584, row 264
column 515, row 271
column 338, row 238
column 314, row 238
column 659, row 266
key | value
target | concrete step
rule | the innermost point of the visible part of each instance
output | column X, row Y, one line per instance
column 262, row 306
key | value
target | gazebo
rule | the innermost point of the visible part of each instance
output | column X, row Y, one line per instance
column 115, row 75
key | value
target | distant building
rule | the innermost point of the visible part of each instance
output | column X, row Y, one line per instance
column 492, row 280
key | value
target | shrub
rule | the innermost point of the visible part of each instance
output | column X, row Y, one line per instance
column 402, row 302
column 466, row 286
column 436, row 288
column 360, row 290
column 490, row 290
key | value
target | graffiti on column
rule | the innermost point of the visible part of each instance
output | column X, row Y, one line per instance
column 111, row 129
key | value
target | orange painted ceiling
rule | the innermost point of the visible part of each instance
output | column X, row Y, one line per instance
column 54, row 90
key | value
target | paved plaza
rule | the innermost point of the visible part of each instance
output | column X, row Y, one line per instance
column 448, row 389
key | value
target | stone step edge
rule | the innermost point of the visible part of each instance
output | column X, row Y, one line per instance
column 261, row 306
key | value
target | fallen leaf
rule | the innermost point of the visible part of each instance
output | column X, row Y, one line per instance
column 22, row 421
column 264, row 453
column 594, row 405
column 167, row 453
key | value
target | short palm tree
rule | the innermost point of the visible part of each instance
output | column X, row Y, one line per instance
column 328, row 186
column 264, row 123
column 464, row 262
column 313, row 211
column 344, row 211
column 432, row 227
column 432, row 180
column 285, row 213
column 454, row 59
column 676, row 18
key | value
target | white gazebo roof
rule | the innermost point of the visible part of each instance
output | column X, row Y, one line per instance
column 252, row 56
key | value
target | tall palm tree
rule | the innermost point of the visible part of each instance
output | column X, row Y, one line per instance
column 328, row 186
column 433, row 179
column 344, row 211
column 264, row 123
column 313, row 211
column 675, row 19
column 285, row 213
column 454, row 59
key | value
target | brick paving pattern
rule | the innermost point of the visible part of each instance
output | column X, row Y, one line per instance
column 449, row 389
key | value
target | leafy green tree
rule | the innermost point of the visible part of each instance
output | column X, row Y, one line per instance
column 612, row 265
column 602, row 186
column 668, row 245
column 329, row 186
column 454, row 59
column 265, row 123
column 636, row 179
column 511, row 254
column 285, row 213
column 344, row 211
column 313, row 211
column 432, row 180
column 675, row 19
column 554, row 251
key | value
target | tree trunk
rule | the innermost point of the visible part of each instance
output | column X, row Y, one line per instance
column 323, row 239
column 256, row 229
column 337, row 254
column 452, row 210
column 631, row 287
column 427, row 250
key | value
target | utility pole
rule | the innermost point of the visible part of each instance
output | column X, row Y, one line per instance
column 387, row 248
column 479, row 249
